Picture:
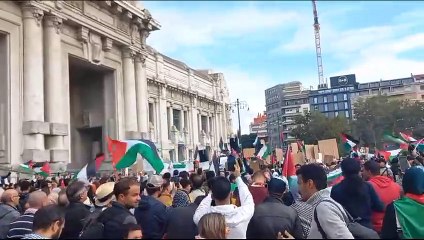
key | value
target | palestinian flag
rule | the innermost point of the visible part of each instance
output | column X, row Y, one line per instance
column 391, row 138
column 28, row 165
column 289, row 169
column 348, row 141
column 42, row 168
column 334, row 177
column 406, row 137
column 90, row 169
column 300, row 146
column 256, row 141
column 385, row 154
column 409, row 211
column 124, row 153
column 264, row 152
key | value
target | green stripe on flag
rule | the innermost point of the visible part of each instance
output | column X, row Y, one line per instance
column 145, row 151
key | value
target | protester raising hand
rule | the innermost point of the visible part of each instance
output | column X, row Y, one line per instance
column 286, row 235
column 237, row 172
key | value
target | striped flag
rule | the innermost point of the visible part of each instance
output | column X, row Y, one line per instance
column 124, row 153
column 407, row 137
column 91, row 168
column 348, row 141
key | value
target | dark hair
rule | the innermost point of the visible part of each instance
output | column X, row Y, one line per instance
column 353, row 183
column 123, row 186
column 166, row 176
column 46, row 216
column 60, row 201
column 131, row 227
column 373, row 167
column 297, row 165
column 198, row 200
column 209, row 175
column 221, row 188
column 199, row 171
column 184, row 174
column 143, row 185
column 313, row 172
column 232, row 177
column 74, row 190
column 197, row 181
column 24, row 185
column 185, row 182
column 175, row 173
column 165, row 185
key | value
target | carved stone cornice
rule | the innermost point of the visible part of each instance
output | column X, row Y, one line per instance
column 32, row 12
column 128, row 52
column 55, row 22
column 107, row 44
column 83, row 33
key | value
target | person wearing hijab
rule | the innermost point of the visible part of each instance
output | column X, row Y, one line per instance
column 404, row 217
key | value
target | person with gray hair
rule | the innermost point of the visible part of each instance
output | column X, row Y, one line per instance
column 76, row 211
column 8, row 210
column 23, row 225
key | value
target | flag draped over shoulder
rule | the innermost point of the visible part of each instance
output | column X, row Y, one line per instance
column 409, row 213
column 348, row 141
column 124, row 153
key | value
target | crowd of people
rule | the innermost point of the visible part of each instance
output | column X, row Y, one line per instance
column 239, row 204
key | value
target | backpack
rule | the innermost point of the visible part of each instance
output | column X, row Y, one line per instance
column 92, row 228
column 357, row 230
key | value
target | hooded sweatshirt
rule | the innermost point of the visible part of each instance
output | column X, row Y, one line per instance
column 388, row 191
column 236, row 218
column 152, row 215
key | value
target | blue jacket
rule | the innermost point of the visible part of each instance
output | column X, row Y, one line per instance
column 151, row 214
column 358, row 208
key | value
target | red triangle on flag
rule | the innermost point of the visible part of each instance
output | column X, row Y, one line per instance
column 46, row 168
column 289, row 168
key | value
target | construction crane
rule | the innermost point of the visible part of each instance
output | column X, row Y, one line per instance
column 322, row 82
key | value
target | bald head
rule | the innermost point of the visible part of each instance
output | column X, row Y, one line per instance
column 37, row 199
column 259, row 177
column 9, row 197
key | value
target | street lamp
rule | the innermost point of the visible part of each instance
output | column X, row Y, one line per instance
column 239, row 105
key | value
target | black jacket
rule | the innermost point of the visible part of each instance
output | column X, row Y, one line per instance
column 151, row 214
column 389, row 229
column 358, row 207
column 180, row 223
column 114, row 220
column 75, row 213
column 271, row 217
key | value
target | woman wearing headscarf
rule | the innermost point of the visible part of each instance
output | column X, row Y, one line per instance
column 404, row 217
column 355, row 195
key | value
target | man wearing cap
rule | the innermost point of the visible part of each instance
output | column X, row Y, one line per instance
column 151, row 213
column 272, row 216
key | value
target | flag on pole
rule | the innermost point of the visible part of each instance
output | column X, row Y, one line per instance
column 221, row 144
column 256, row 141
column 124, row 153
column 91, row 168
column 390, row 137
column 44, row 170
column 264, row 152
column 348, row 141
column 289, row 169
column 300, row 146
column 406, row 137
column 28, row 165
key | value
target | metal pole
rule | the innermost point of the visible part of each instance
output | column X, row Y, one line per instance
column 238, row 114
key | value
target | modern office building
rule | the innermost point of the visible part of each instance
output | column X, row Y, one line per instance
column 284, row 102
column 258, row 126
column 336, row 100
column 409, row 88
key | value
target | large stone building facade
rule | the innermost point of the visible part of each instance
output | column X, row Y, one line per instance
column 73, row 73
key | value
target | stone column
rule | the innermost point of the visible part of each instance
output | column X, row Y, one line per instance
column 182, row 119
column 225, row 124
column 171, row 120
column 194, row 123
column 208, row 126
column 129, row 93
column 34, row 126
column 163, row 123
column 142, row 95
column 54, row 101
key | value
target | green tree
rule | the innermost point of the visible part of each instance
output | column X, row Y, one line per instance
column 315, row 126
column 376, row 115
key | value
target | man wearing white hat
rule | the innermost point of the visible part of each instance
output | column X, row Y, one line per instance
column 104, row 195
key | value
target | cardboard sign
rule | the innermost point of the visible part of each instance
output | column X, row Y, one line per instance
column 299, row 158
column 316, row 152
column 329, row 147
column 248, row 152
column 309, row 152
column 279, row 154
